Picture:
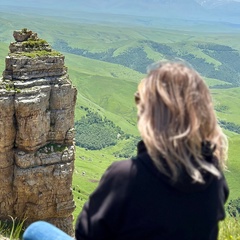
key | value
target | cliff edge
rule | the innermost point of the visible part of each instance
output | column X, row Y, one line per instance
column 37, row 102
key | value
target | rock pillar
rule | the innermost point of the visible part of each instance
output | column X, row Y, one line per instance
column 37, row 101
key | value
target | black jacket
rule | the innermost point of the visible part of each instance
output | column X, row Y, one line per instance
column 135, row 201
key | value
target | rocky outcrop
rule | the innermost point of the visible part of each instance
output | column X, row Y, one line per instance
column 37, row 103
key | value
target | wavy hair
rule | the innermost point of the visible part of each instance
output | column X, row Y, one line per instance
column 175, row 118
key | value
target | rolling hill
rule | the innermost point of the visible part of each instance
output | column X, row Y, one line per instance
column 214, row 10
column 106, row 61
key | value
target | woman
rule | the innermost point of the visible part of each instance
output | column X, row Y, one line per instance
column 174, row 188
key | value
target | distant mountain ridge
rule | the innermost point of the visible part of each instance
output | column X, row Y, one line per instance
column 214, row 3
column 209, row 10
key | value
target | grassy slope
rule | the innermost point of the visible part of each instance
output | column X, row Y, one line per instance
column 233, row 173
column 95, row 162
column 101, row 159
column 108, row 88
column 99, row 90
column 3, row 54
column 212, row 82
column 99, row 68
column 230, row 98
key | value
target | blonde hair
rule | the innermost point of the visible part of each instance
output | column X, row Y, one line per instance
column 175, row 118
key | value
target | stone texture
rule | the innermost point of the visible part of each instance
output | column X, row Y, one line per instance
column 22, row 35
column 26, row 68
column 37, row 151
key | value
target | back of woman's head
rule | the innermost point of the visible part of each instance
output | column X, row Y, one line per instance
column 176, row 118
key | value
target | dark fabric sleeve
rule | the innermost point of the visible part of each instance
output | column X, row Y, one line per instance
column 225, row 190
column 224, row 193
column 101, row 215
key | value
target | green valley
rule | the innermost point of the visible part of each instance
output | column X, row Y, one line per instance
column 106, row 63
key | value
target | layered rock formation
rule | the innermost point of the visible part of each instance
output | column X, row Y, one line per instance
column 37, row 103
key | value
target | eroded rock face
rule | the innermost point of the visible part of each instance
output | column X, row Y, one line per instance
column 22, row 35
column 37, row 103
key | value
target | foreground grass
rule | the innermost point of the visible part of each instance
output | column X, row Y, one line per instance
column 11, row 229
column 228, row 230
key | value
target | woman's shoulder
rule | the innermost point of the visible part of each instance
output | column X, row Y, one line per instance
column 122, row 169
column 127, row 172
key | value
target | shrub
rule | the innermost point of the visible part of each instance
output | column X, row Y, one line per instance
column 233, row 208
column 34, row 43
column 40, row 53
column 24, row 30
